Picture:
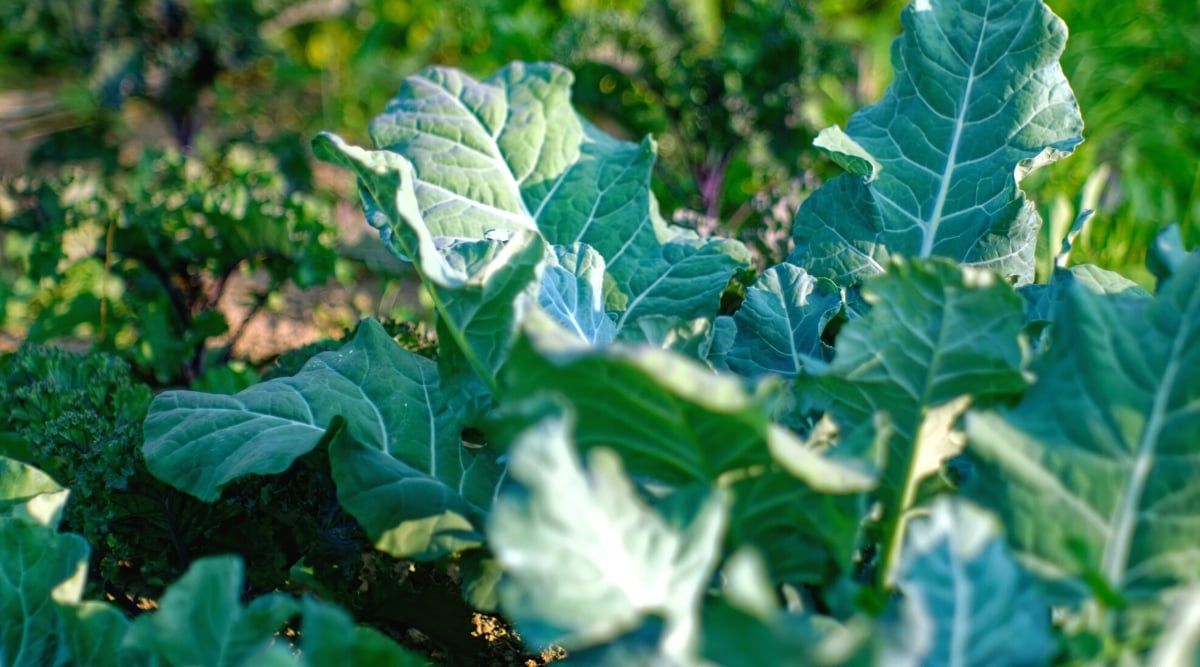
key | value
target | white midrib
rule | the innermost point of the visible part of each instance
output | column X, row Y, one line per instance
column 433, row 453
column 1115, row 562
column 961, row 632
column 935, row 219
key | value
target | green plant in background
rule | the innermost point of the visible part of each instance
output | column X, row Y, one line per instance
column 167, row 53
column 706, row 80
column 142, row 260
column 1139, row 167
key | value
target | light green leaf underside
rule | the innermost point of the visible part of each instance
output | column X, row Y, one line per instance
column 572, row 292
column 965, row 601
column 30, row 494
column 460, row 159
column 586, row 559
column 1108, row 437
column 978, row 100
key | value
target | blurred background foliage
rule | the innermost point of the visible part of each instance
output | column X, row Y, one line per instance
column 733, row 90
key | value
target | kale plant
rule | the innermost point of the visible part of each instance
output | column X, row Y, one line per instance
column 142, row 260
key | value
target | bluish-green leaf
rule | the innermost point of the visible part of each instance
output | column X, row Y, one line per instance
column 586, row 559
column 938, row 337
column 965, row 601
column 39, row 569
column 699, row 425
column 684, row 282
column 1043, row 300
column 401, row 439
column 201, row 620
column 410, row 511
column 572, row 292
column 94, row 632
column 977, row 101
column 779, row 325
column 1108, row 437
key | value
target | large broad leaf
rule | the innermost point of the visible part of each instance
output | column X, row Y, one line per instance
column 39, row 569
column 937, row 337
column 586, row 560
column 780, row 323
column 965, row 601
column 401, row 439
column 202, row 622
column 42, row 572
column 1108, row 438
column 699, row 425
column 978, row 101
column 460, row 159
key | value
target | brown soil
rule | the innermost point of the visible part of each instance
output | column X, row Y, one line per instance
column 316, row 313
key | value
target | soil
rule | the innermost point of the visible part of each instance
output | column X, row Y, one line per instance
column 383, row 284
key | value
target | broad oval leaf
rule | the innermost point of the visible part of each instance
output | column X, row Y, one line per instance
column 978, row 100
column 399, row 423
column 1108, row 437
